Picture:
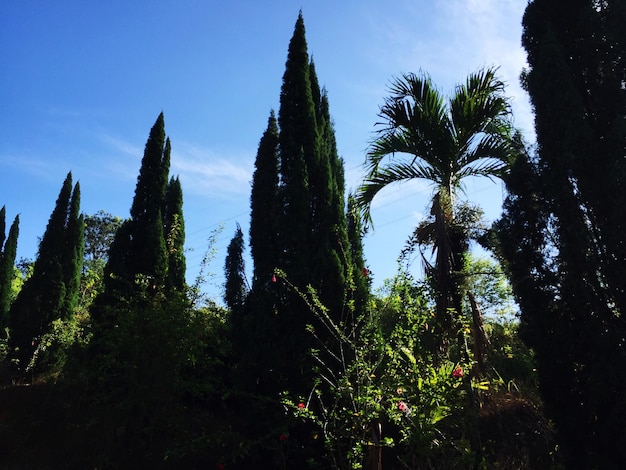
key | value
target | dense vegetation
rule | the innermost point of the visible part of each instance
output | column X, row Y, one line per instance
column 111, row 360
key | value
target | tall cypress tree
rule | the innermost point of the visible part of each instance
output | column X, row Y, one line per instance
column 309, row 239
column 73, row 258
column 148, row 252
column 235, row 286
column 8, row 251
column 298, row 141
column 175, row 236
column 565, row 224
column 52, row 289
column 264, row 206
column 140, row 247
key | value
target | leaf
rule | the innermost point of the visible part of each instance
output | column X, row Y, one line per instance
column 409, row 355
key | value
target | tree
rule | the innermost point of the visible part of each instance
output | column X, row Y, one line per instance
column 300, row 176
column 175, row 236
column 443, row 142
column 100, row 229
column 264, row 206
column 235, row 286
column 562, row 232
column 299, row 244
column 51, row 291
column 8, row 251
column 298, row 144
column 73, row 258
column 140, row 246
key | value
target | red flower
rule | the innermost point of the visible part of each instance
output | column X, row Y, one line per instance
column 301, row 405
column 282, row 437
column 365, row 272
column 220, row 466
column 402, row 406
column 273, row 278
column 457, row 373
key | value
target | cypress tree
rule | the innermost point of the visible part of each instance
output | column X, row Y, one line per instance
column 148, row 252
column 140, row 247
column 309, row 241
column 72, row 262
column 264, row 206
column 565, row 221
column 50, row 292
column 7, row 260
column 298, row 224
column 175, row 236
column 329, row 220
column 235, row 286
column 298, row 149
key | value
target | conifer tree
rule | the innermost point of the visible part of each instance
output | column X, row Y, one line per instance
column 264, row 206
column 51, row 291
column 298, row 150
column 235, row 286
column 8, row 251
column 175, row 236
column 309, row 241
column 73, row 258
column 562, row 231
column 140, row 247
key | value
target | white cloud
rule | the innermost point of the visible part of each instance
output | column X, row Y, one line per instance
column 204, row 173
column 122, row 146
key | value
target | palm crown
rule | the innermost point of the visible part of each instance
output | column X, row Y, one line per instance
column 443, row 141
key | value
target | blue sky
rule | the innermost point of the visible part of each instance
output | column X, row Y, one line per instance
column 82, row 82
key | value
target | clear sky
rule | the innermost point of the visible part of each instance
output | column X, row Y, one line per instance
column 82, row 82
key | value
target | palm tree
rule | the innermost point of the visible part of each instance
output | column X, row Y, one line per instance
column 442, row 141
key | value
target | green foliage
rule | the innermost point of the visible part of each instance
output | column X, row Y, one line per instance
column 385, row 391
column 100, row 230
column 487, row 281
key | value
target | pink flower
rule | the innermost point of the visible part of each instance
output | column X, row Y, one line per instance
column 282, row 437
column 458, row 372
column 273, row 278
column 301, row 405
column 402, row 406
